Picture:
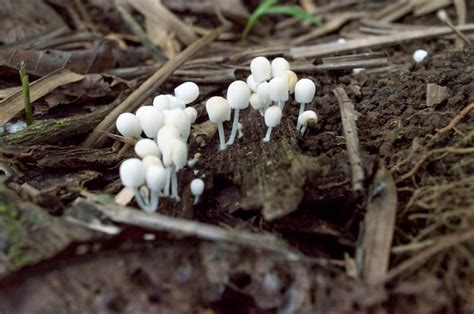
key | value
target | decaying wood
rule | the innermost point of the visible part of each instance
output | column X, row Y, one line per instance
column 157, row 222
column 379, row 226
column 349, row 117
column 372, row 42
column 12, row 105
column 436, row 94
column 133, row 101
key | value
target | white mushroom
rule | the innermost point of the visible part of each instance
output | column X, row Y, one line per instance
column 305, row 117
column 420, row 55
column 263, row 96
column 132, row 175
column 165, row 135
column 186, row 93
column 218, row 110
column 278, row 91
column 292, row 78
column 238, row 96
column 192, row 113
column 173, row 102
column 256, row 104
column 142, row 111
column 152, row 122
column 176, row 155
column 251, row 83
column 241, row 130
column 146, row 147
column 279, row 66
column 261, row 69
column 272, row 119
column 129, row 125
column 161, row 102
column 151, row 160
column 197, row 188
column 155, row 180
column 305, row 89
column 180, row 120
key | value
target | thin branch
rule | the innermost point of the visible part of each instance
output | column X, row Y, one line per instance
column 26, row 94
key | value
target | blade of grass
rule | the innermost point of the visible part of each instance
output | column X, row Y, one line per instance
column 259, row 11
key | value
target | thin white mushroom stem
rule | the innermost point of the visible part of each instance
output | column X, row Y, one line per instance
column 235, row 126
column 302, row 107
column 303, row 129
column 196, row 199
column 220, row 128
column 154, row 202
column 174, row 184
column 140, row 201
column 268, row 134
column 281, row 104
column 166, row 190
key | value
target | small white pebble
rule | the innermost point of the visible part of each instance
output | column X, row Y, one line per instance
column 358, row 70
column 420, row 55
column 341, row 40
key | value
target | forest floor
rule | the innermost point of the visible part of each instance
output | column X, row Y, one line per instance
column 321, row 223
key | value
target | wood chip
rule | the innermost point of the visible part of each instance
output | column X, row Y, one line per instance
column 13, row 104
column 435, row 94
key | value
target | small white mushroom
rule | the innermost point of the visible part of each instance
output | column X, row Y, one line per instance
column 218, row 110
column 161, row 102
column 165, row 135
column 151, row 160
column 358, row 70
column 146, row 147
column 261, row 69
column 238, row 97
column 305, row 89
column 241, row 130
column 180, row 120
column 305, row 117
column 192, row 113
column 292, row 78
column 186, row 93
column 278, row 91
column 256, row 104
column 279, row 66
column 173, row 102
column 263, row 96
column 142, row 111
column 420, row 55
column 129, row 125
column 132, row 175
column 251, row 83
column 197, row 188
column 193, row 162
column 341, row 40
column 178, row 151
column 152, row 122
column 272, row 119
column 155, row 180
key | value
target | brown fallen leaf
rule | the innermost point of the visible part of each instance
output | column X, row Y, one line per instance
column 436, row 94
column 13, row 104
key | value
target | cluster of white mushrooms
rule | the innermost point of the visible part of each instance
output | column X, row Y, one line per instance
column 167, row 126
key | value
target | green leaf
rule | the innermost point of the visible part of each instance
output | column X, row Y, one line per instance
column 259, row 11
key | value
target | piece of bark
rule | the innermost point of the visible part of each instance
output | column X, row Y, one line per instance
column 436, row 94
column 379, row 226
column 13, row 104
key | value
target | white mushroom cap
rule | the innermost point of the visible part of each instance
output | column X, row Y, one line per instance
column 442, row 15
column 278, row 89
column 152, row 121
column 197, row 187
column 306, row 116
column 218, row 109
column 255, row 102
column 238, row 95
column 251, row 83
column 176, row 153
column 132, row 173
column 192, row 113
column 273, row 116
column 173, row 103
column 292, row 78
column 167, row 133
column 161, row 102
column 156, row 178
column 151, row 160
column 186, row 93
column 146, row 147
column 128, row 125
column 305, row 91
column 279, row 66
column 142, row 110
column 262, row 93
column 180, row 120
column 261, row 69
column 420, row 55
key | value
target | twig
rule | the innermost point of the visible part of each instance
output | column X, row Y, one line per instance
column 137, row 30
column 133, row 101
column 443, row 16
column 349, row 117
column 372, row 42
column 456, row 119
column 26, row 94
column 430, row 6
column 442, row 244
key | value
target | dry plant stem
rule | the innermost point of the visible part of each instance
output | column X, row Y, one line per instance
column 135, row 99
column 430, row 6
column 456, row 119
column 26, row 94
column 461, row 11
column 137, row 30
column 457, row 32
column 185, row 227
column 379, row 226
column 442, row 244
column 85, row 15
column 349, row 116
column 452, row 150
column 372, row 42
